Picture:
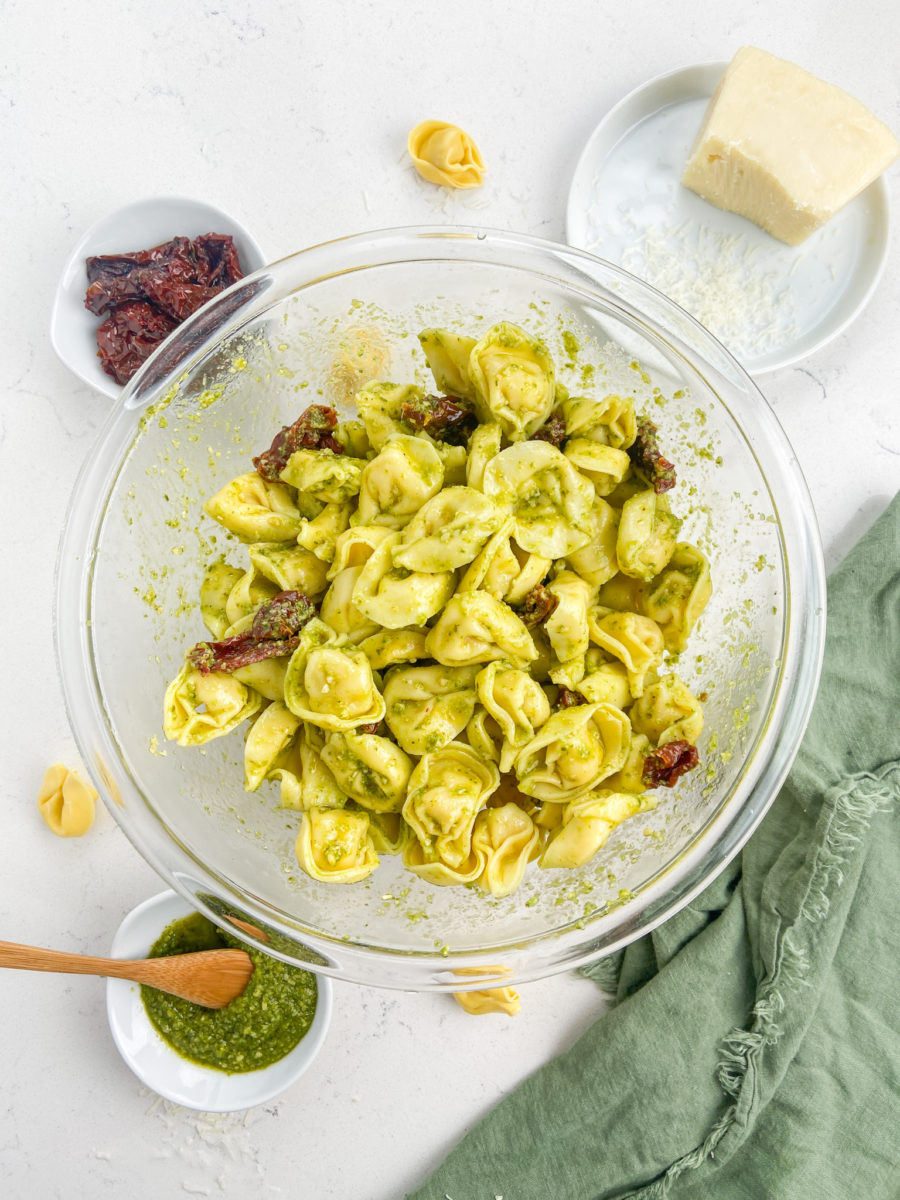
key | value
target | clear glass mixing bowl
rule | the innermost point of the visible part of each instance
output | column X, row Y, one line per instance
column 136, row 543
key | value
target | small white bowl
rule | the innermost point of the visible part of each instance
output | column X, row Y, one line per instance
column 137, row 226
column 155, row 1062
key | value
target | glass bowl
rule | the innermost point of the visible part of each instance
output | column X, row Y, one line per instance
column 136, row 543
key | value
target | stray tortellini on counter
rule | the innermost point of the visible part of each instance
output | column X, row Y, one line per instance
column 489, row 1000
column 452, row 632
column 445, row 154
column 66, row 802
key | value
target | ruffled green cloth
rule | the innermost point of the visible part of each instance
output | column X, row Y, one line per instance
column 754, row 1053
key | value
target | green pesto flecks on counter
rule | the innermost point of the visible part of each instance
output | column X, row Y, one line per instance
column 261, row 1026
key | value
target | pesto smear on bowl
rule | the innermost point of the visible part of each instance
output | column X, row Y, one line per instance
column 262, row 1025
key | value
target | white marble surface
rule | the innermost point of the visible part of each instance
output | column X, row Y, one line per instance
column 293, row 116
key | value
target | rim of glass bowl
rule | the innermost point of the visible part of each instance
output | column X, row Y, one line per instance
column 677, row 335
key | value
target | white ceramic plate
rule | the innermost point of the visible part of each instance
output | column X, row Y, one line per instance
column 137, row 226
column 156, row 1063
column 770, row 304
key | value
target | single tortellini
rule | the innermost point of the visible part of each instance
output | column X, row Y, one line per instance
column 448, row 531
column 199, row 707
column 380, row 405
column 648, row 533
column 398, row 481
column 484, row 444
column 634, row 640
column 427, row 863
column 354, row 547
column 489, row 1000
column 567, row 625
column 338, row 610
column 329, row 682
column 596, row 561
column 607, row 683
column 551, row 499
column 610, row 421
column 328, row 477
column 394, row 597
column 507, row 837
column 321, row 533
column 335, row 845
column 257, row 510
column 447, row 789
column 370, row 769
column 270, row 735
column 574, row 751
column 389, row 647
column 305, row 781
column 476, row 628
column 668, row 712
column 250, row 592
column 66, row 802
column 604, row 466
column 676, row 597
column 517, row 703
column 504, row 569
column 290, row 567
column 427, row 707
column 445, row 154
column 514, row 380
column 448, row 357
column 587, row 824
column 219, row 581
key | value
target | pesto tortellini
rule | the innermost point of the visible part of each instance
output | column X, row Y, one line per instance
column 451, row 635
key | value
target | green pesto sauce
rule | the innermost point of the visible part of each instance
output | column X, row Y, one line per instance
column 257, row 1029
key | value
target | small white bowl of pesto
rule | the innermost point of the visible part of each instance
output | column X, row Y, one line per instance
column 215, row 1061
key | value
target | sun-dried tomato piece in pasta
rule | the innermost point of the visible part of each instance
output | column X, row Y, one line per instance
column 275, row 631
column 445, row 418
column 311, row 431
column 647, row 458
column 665, row 766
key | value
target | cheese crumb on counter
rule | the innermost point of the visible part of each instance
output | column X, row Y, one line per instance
column 784, row 148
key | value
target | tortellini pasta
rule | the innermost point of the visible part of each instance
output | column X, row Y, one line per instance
column 447, row 790
column 329, row 683
column 66, row 803
column 445, row 154
column 476, row 628
column 550, row 498
column 398, row 481
column 372, row 770
column 258, row 510
column 574, row 751
column 489, row 1000
column 335, row 845
column 199, row 707
column 451, row 637
column 427, row 707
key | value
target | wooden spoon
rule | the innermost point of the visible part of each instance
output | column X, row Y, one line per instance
column 212, row 978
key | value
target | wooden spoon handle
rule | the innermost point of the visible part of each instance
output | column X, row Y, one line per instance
column 35, row 958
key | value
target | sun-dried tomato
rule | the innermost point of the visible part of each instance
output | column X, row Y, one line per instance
column 275, row 631
column 647, row 459
column 128, row 337
column 168, row 281
column 373, row 727
column 311, row 431
column 663, row 767
column 553, row 430
column 537, row 605
column 569, row 698
column 445, row 418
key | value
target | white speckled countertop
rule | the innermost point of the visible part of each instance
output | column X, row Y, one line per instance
column 293, row 116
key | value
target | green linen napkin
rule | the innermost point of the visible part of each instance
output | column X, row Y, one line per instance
column 754, row 1053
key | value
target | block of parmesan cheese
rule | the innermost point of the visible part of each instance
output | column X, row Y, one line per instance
column 784, row 148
